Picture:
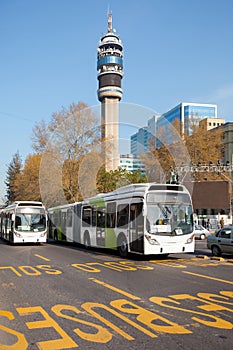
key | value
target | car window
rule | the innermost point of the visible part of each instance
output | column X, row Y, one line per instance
column 225, row 233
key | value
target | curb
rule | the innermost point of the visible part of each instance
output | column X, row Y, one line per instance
column 218, row 258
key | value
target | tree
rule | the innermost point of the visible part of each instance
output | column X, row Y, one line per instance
column 26, row 184
column 205, row 147
column 71, row 135
column 14, row 168
column 40, row 137
column 111, row 180
column 178, row 149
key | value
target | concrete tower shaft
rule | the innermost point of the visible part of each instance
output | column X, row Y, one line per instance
column 110, row 73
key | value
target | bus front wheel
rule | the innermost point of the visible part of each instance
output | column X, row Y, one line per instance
column 122, row 246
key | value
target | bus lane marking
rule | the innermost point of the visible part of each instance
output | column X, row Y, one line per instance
column 121, row 309
column 21, row 343
column 41, row 257
column 143, row 315
column 179, row 263
column 215, row 321
column 208, row 306
column 169, row 263
column 65, row 342
column 12, row 269
column 121, row 266
column 115, row 289
column 32, row 271
column 207, row 277
column 224, row 296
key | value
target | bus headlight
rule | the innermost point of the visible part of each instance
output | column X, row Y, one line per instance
column 151, row 240
column 17, row 234
column 190, row 240
column 43, row 234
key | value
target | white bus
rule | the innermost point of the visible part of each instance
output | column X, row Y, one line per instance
column 24, row 222
column 140, row 218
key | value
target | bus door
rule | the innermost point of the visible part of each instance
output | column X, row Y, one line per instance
column 100, row 226
column 136, row 227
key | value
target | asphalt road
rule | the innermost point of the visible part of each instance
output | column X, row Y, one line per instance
column 58, row 296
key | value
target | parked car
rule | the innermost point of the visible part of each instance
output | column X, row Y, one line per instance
column 200, row 232
column 221, row 241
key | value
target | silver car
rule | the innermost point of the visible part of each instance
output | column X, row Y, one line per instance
column 200, row 232
column 221, row 241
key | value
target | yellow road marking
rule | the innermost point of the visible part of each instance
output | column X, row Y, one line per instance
column 131, row 296
column 208, row 277
column 42, row 257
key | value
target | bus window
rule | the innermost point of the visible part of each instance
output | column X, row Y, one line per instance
column 57, row 218
column 111, row 215
column 86, row 216
column 122, row 215
column 101, row 217
column 17, row 222
column 63, row 218
column 94, row 216
column 136, row 214
column 69, row 217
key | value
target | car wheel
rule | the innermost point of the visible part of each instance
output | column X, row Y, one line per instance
column 202, row 236
column 216, row 251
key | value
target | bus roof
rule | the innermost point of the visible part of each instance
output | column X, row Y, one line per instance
column 140, row 188
column 24, row 204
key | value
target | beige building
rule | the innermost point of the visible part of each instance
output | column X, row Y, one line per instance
column 211, row 123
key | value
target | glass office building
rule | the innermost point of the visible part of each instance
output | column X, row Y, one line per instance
column 144, row 139
column 170, row 126
column 139, row 142
column 130, row 163
column 184, row 116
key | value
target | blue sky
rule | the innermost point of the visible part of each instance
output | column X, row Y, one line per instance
column 174, row 51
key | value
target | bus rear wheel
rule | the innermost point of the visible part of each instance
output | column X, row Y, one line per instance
column 86, row 240
column 55, row 236
column 122, row 246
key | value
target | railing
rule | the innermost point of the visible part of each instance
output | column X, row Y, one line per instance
column 215, row 168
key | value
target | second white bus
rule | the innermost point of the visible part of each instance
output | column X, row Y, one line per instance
column 139, row 218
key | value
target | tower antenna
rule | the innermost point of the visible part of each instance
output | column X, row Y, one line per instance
column 109, row 22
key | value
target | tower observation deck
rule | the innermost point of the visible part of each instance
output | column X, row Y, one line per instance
column 110, row 73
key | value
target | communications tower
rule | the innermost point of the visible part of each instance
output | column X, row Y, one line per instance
column 110, row 73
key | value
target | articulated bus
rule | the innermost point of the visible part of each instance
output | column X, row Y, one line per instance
column 24, row 222
column 139, row 218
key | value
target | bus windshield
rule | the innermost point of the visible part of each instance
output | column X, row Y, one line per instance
column 30, row 222
column 169, row 214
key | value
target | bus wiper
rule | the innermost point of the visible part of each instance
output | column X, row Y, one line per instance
column 163, row 211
